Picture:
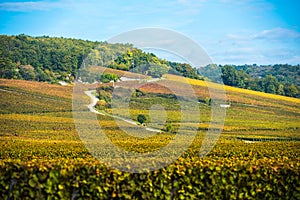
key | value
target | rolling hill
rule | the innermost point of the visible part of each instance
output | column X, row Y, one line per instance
column 41, row 148
column 51, row 59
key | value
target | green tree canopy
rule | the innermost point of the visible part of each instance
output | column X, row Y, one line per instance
column 141, row 118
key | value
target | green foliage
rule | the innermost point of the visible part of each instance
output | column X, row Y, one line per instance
column 27, row 72
column 52, row 59
column 184, row 69
column 141, row 62
column 141, row 118
column 211, row 72
column 270, row 84
column 55, row 59
column 157, row 70
column 208, row 100
column 106, row 97
column 104, row 94
column 138, row 93
column 271, row 79
column 291, row 90
column 184, row 179
column 88, row 76
column 59, row 56
column 107, row 77
column 233, row 77
column 42, row 156
column 170, row 128
column 102, row 104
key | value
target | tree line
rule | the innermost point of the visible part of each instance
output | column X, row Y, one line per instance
column 275, row 79
column 53, row 59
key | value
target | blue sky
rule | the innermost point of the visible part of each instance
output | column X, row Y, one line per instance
column 231, row 31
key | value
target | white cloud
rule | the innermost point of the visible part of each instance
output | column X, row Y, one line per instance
column 278, row 45
column 293, row 60
column 277, row 33
column 249, row 55
column 271, row 34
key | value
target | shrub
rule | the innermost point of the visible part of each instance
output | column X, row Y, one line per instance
column 170, row 128
column 102, row 104
column 141, row 118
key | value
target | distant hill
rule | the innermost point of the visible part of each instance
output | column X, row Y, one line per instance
column 283, row 72
column 280, row 79
column 52, row 59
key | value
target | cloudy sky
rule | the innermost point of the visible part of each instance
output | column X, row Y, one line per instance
column 231, row 31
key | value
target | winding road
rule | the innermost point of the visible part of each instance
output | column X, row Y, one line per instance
column 94, row 100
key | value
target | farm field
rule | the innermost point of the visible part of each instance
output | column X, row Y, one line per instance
column 43, row 157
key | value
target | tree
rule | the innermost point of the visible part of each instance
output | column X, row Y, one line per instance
column 270, row 84
column 157, row 70
column 280, row 90
column 291, row 90
column 276, row 79
column 170, row 128
column 183, row 69
column 107, row 77
column 141, row 118
column 229, row 75
column 27, row 72
column 208, row 100
column 212, row 72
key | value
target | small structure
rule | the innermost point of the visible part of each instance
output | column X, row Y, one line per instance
column 63, row 83
column 113, row 83
column 224, row 105
column 123, row 78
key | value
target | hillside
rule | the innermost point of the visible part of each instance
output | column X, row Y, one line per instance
column 247, row 110
column 283, row 72
column 52, row 60
column 47, row 59
column 41, row 147
column 274, row 79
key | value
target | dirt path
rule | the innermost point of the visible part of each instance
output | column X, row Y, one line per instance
column 91, row 107
column 94, row 99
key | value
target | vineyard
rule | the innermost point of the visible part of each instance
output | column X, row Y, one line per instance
column 43, row 157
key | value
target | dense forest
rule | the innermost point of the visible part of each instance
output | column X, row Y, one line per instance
column 51, row 59
column 275, row 79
